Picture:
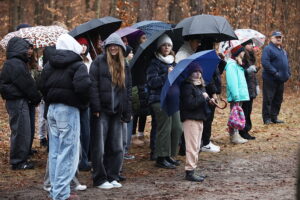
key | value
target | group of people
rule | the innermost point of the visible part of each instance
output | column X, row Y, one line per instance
column 91, row 108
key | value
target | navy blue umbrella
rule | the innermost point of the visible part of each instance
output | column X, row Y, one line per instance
column 170, row 94
column 149, row 27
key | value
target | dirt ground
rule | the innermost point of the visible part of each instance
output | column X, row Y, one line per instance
column 263, row 169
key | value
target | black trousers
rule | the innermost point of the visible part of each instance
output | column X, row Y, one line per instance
column 272, row 99
column 247, row 108
column 207, row 126
column 107, row 147
column 141, row 119
column 19, row 122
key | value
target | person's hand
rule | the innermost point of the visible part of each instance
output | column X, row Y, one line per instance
column 205, row 95
column 212, row 101
column 170, row 69
column 251, row 69
column 257, row 89
column 96, row 114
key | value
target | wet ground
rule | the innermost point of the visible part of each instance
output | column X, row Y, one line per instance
column 263, row 169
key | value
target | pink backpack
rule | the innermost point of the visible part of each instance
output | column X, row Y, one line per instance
column 236, row 118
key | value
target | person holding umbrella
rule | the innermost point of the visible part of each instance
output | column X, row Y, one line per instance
column 193, row 111
column 237, row 90
column 169, row 128
column 110, row 104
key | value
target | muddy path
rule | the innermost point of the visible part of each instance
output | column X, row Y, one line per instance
column 263, row 169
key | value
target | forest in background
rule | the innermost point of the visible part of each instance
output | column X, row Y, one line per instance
column 264, row 16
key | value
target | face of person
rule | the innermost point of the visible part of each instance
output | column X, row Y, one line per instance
column 196, row 75
column 113, row 49
column 84, row 48
column 124, row 39
column 143, row 39
column 249, row 47
column 195, row 43
column 277, row 40
column 165, row 49
column 29, row 52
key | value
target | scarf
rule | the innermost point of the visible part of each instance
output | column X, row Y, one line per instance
column 167, row 59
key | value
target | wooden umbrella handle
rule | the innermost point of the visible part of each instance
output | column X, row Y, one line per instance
column 221, row 107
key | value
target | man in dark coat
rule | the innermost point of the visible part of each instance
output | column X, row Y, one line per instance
column 19, row 90
column 276, row 71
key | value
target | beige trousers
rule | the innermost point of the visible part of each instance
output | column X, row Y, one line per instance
column 192, row 134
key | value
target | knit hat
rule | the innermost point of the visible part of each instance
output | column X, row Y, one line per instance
column 193, row 67
column 20, row 26
column 164, row 39
column 82, row 41
column 237, row 50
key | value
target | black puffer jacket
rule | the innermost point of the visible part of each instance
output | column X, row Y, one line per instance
column 157, row 74
column 193, row 105
column 16, row 81
column 65, row 80
column 101, row 93
column 248, row 60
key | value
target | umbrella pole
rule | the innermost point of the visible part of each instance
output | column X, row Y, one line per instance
column 92, row 44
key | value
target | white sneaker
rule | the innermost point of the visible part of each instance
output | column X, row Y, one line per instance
column 80, row 187
column 210, row 148
column 116, row 184
column 105, row 185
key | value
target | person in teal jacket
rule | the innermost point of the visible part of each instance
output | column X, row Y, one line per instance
column 237, row 90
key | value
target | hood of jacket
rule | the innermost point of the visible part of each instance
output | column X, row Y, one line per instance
column 17, row 48
column 67, row 52
column 67, row 42
column 115, row 39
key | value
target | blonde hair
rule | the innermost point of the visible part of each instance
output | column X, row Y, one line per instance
column 116, row 66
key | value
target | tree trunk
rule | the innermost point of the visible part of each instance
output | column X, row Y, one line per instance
column 98, row 8
column 197, row 7
column 113, row 6
column 175, row 12
column 146, row 10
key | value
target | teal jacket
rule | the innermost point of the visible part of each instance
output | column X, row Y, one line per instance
column 236, row 87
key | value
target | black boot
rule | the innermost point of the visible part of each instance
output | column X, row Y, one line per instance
column 247, row 136
column 190, row 176
column 172, row 161
column 162, row 163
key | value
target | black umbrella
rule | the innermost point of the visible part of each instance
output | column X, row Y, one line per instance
column 103, row 26
column 207, row 26
column 145, row 53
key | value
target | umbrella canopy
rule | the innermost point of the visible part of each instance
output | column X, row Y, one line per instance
column 151, row 26
column 132, row 34
column 207, row 26
column 243, row 36
column 103, row 26
column 145, row 53
column 170, row 94
column 39, row 36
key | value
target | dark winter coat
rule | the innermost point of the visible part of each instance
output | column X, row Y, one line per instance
column 193, row 105
column 248, row 60
column 102, row 93
column 65, row 80
column 157, row 74
column 275, row 63
column 16, row 81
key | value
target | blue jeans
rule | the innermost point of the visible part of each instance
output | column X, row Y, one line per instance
column 64, row 131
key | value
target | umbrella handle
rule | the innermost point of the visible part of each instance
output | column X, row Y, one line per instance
column 221, row 107
column 91, row 42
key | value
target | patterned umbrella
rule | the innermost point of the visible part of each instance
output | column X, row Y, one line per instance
column 243, row 36
column 39, row 36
